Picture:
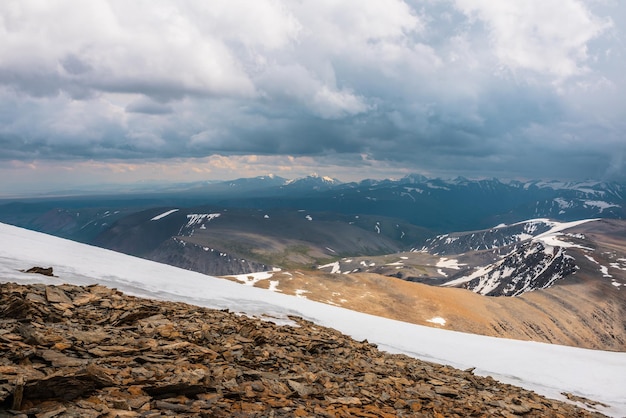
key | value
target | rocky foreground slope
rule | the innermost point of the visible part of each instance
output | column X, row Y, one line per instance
column 95, row 352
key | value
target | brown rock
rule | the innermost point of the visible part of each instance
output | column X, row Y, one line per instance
column 57, row 295
column 40, row 270
column 346, row 400
column 90, row 337
column 59, row 359
column 117, row 355
column 58, row 411
column 446, row 391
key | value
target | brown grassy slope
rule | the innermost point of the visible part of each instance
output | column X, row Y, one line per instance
column 580, row 311
column 586, row 309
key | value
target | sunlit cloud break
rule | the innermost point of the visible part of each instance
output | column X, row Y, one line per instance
column 468, row 87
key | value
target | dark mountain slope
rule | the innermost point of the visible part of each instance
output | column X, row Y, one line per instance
column 508, row 260
column 209, row 240
column 443, row 206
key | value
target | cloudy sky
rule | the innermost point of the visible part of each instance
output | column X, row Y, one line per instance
column 116, row 91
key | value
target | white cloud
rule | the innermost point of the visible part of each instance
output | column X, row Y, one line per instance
column 335, row 104
column 150, row 47
column 342, row 25
column 314, row 91
column 545, row 36
column 425, row 84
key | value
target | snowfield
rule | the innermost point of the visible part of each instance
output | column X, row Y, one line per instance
column 547, row 369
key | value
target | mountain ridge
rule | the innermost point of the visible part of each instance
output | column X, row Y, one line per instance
column 519, row 360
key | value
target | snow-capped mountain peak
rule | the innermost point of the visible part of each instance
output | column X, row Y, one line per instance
column 313, row 181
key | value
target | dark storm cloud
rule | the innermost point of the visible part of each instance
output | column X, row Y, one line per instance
column 148, row 107
column 74, row 65
column 453, row 86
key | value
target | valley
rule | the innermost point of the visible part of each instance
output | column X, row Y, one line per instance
column 99, row 341
column 541, row 261
column 281, row 208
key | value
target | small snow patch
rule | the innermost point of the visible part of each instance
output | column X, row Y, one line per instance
column 274, row 286
column 449, row 263
column 164, row 214
column 250, row 279
column 335, row 267
column 619, row 265
column 600, row 204
column 563, row 204
column 605, row 271
column 437, row 320
column 197, row 218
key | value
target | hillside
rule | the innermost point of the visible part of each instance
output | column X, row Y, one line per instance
column 573, row 292
column 408, row 210
column 270, row 222
column 545, row 368
column 231, row 241
column 581, row 311
column 95, row 352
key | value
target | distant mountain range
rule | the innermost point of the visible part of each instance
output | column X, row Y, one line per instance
column 253, row 224
column 441, row 205
column 323, row 238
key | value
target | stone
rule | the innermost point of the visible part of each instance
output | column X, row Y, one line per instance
column 446, row 391
column 94, row 352
column 57, row 295
column 59, row 359
column 346, row 400
column 47, row 271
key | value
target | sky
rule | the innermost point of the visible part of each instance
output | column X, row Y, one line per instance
column 116, row 92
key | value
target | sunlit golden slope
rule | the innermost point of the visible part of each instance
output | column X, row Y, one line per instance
column 586, row 309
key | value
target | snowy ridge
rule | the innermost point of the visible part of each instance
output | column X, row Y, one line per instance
column 496, row 237
column 547, row 369
column 514, row 259
column 530, row 266
column 314, row 180
column 535, row 257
